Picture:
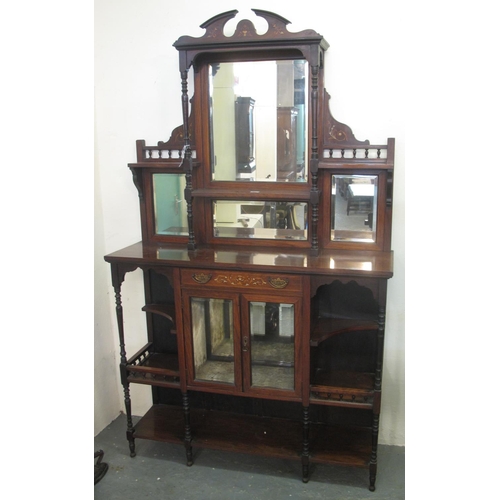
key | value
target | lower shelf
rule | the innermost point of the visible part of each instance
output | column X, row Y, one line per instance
column 275, row 437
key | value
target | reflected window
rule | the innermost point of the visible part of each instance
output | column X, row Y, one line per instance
column 354, row 208
column 260, row 219
column 258, row 113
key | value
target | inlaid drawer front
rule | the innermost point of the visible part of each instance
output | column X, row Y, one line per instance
column 241, row 280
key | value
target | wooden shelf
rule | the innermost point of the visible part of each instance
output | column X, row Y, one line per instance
column 343, row 388
column 276, row 437
column 340, row 445
column 165, row 310
column 328, row 327
column 152, row 368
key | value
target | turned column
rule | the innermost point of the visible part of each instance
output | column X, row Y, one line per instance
column 187, row 429
column 305, row 444
column 377, row 396
column 117, row 276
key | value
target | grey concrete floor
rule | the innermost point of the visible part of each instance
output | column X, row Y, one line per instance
column 159, row 471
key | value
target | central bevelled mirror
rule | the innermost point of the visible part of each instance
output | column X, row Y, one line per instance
column 258, row 120
column 279, row 220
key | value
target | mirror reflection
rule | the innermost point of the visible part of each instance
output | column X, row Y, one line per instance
column 260, row 219
column 258, row 112
column 354, row 208
column 213, row 331
column 272, row 344
column 170, row 212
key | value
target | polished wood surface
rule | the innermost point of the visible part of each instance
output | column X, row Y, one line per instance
column 339, row 262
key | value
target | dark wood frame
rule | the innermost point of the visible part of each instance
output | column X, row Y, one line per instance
column 329, row 282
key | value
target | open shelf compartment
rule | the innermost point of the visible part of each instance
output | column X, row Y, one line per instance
column 324, row 328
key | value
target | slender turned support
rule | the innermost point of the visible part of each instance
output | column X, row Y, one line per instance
column 123, row 372
column 378, row 394
column 187, row 430
column 305, row 444
column 373, row 458
column 117, row 277
column 187, row 160
column 130, row 426
column 314, row 163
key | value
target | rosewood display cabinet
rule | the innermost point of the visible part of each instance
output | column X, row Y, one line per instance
column 266, row 250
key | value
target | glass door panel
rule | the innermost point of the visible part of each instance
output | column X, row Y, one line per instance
column 212, row 327
column 272, row 345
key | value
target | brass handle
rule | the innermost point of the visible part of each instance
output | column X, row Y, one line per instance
column 245, row 344
column 202, row 278
column 278, row 282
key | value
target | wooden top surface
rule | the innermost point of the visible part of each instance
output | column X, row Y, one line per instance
column 336, row 262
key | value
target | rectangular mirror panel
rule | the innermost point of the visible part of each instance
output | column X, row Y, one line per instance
column 272, row 345
column 258, row 113
column 213, row 345
column 354, row 208
column 260, row 219
column 170, row 214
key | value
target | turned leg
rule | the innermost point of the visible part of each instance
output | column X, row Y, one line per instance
column 187, row 430
column 305, row 444
column 130, row 425
column 378, row 395
column 373, row 458
column 118, row 274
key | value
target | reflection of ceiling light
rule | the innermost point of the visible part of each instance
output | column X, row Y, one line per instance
column 363, row 266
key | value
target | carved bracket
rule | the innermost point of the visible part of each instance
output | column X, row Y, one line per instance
column 118, row 272
column 176, row 140
column 336, row 134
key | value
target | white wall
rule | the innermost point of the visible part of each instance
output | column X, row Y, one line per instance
column 138, row 96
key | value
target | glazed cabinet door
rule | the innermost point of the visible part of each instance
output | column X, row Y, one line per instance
column 213, row 340
column 271, row 345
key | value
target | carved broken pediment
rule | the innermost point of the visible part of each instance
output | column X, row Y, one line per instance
column 245, row 31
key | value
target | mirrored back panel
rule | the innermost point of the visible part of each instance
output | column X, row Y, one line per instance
column 170, row 211
column 276, row 220
column 354, row 208
column 258, row 120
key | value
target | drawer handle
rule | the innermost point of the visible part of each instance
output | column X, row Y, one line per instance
column 202, row 278
column 278, row 282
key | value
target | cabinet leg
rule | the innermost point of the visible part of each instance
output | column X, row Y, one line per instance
column 130, row 425
column 373, row 459
column 305, row 444
column 117, row 276
column 187, row 430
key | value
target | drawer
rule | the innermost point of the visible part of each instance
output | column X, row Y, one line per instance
column 241, row 280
